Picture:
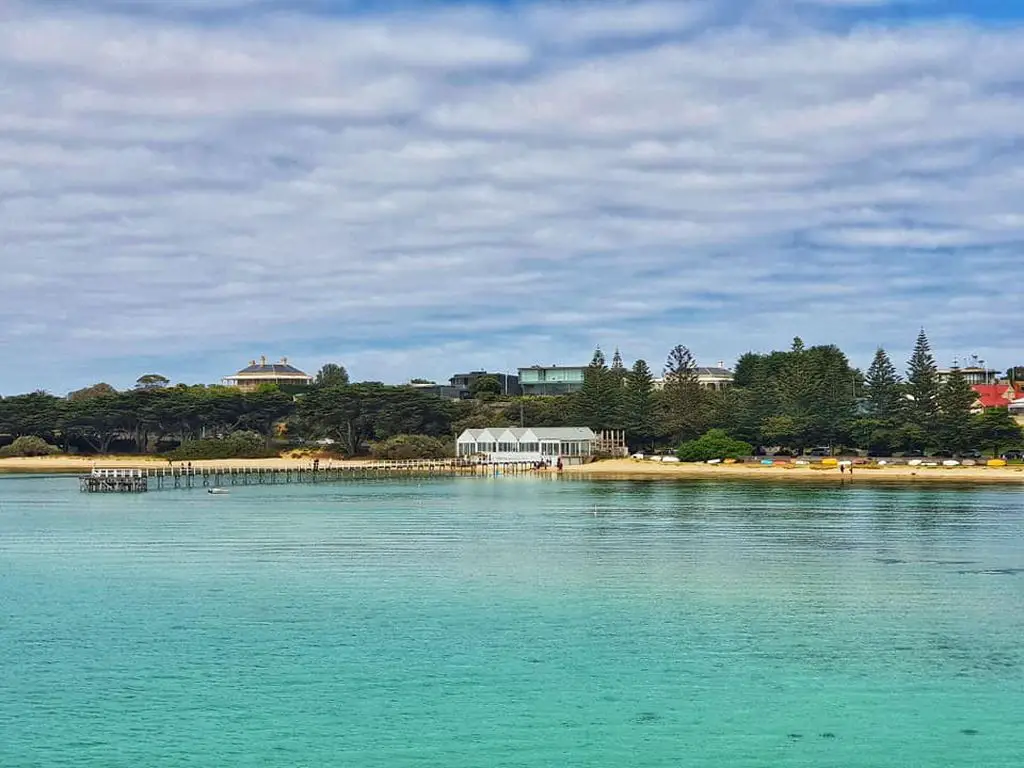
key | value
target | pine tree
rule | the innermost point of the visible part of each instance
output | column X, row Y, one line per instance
column 879, row 430
column 617, row 365
column 598, row 404
column 956, row 401
column 884, row 388
column 639, row 408
column 682, row 399
column 923, row 393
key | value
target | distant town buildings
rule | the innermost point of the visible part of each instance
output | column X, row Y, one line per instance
column 259, row 373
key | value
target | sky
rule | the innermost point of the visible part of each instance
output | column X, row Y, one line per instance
column 413, row 190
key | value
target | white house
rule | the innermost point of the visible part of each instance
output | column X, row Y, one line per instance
column 508, row 444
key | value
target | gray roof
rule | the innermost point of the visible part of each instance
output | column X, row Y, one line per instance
column 713, row 371
column 272, row 369
column 542, row 433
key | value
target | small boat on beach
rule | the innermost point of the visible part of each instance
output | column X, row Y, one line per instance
column 218, row 491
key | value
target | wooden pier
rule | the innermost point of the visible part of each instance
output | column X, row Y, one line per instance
column 142, row 480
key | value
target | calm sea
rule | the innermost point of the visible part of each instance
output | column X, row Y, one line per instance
column 512, row 622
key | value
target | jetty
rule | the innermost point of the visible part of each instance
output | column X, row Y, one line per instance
column 145, row 479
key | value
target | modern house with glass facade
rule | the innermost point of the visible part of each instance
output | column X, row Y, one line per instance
column 551, row 379
column 534, row 444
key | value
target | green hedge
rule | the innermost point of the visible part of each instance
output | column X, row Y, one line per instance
column 28, row 446
column 238, row 445
column 714, row 444
column 412, row 447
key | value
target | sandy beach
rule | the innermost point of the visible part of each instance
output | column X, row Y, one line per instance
column 650, row 470
column 614, row 469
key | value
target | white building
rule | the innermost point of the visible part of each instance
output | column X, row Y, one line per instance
column 510, row 444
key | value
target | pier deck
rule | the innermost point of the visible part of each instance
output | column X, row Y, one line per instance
column 142, row 480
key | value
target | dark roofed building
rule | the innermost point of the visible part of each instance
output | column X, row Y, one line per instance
column 256, row 374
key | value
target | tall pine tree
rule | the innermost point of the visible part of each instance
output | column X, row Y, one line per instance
column 598, row 404
column 879, row 429
column 639, row 409
column 884, row 388
column 923, row 395
column 955, row 421
column 682, row 398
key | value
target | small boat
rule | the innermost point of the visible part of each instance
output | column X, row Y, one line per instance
column 217, row 490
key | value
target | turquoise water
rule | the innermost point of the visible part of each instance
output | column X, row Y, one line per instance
column 512, row 622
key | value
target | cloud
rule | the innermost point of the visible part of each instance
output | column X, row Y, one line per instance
column 414, row 191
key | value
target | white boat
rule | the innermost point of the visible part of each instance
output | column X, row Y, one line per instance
column 217, row 490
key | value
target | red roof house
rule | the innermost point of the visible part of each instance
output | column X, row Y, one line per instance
column 994, row 395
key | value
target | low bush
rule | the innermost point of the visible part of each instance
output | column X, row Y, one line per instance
column 411, row 447
column 237, row 445
column 28, row 446
column 714, row 444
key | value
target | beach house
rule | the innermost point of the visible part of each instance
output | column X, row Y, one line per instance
column 573, row 445
column 256, row 374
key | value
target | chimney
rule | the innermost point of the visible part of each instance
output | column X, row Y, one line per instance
column 721, row 363
column 284, row 361
column 263, row 359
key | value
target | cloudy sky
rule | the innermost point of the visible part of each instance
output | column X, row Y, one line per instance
column 417, row 189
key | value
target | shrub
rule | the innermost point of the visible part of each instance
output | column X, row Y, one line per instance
column 237, row 445
column 28, row 445
column 713, row 444
column 411, row 447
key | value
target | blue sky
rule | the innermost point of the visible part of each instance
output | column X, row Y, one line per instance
column 416, row 189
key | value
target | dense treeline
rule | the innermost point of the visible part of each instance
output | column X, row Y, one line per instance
column 793, row 399
column 142, row 420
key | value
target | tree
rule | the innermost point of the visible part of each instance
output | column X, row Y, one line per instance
column 598, row 404
column 996, row 429
column 151, row 381
column 884, row 396
column 485, row 387
column 956, row 401
column 922, row 393
column 359, row 414
column 639, row 412
column 537, row 411
column 28, row 445
column 96, row 390
column 713, row 444
column 618, row 368
column 331, row 375
column 411, row 447
column 682, row 399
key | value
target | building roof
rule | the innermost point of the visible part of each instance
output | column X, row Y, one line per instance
column 551, row 367
column 540, row 433
column 263, row 368
column 714, row 371
column 994, row 395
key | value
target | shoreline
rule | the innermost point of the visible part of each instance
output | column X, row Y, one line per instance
column 609, row 469
column 631, row 469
